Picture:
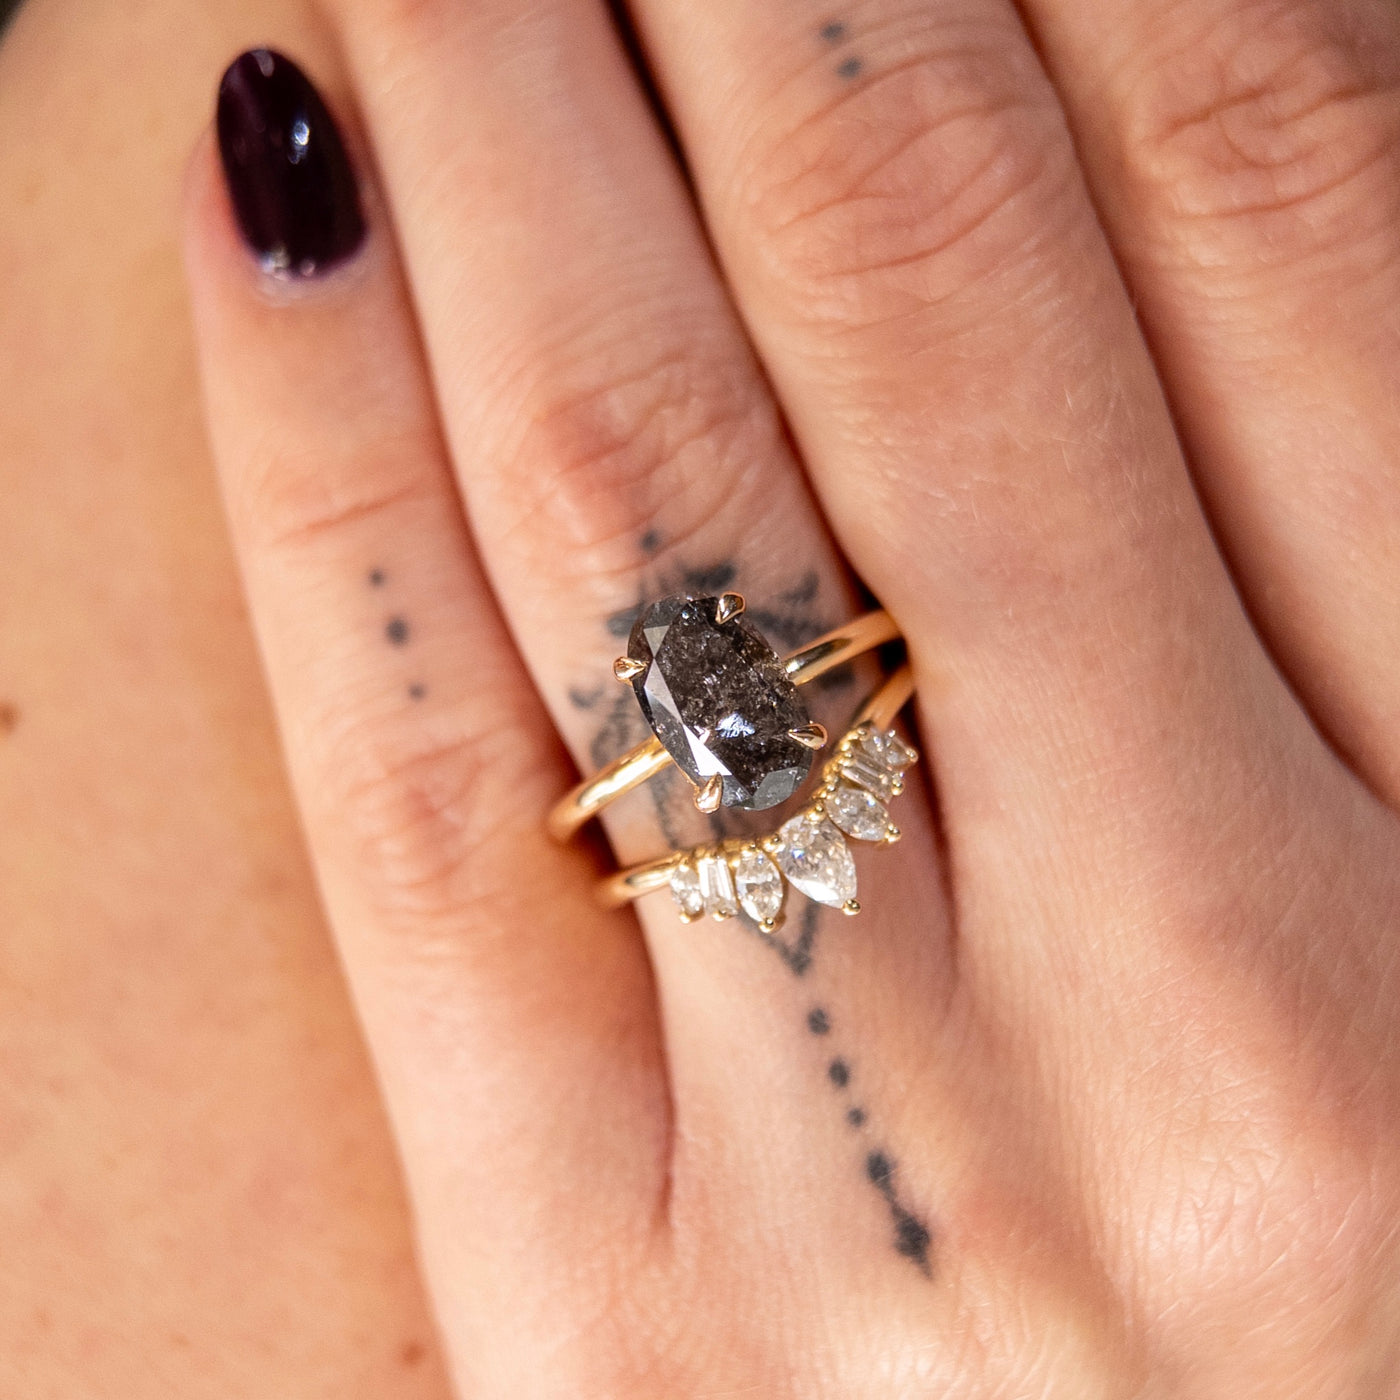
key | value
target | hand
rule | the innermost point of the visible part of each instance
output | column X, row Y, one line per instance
column 1098, row 1095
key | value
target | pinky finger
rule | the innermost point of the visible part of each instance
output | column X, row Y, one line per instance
column 513, row 1023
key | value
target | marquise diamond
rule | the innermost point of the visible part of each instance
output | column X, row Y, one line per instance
column 760, row 886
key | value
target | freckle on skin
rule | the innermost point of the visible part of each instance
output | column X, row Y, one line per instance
column 412, row 1353
column 9, row 718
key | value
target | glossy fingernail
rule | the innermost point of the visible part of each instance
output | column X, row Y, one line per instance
column 288, row 174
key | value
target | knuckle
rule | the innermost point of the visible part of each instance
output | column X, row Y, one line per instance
column 607, row 450
column 289, row 500
column 431, row 817
column 1278, row 108
column 933, row 170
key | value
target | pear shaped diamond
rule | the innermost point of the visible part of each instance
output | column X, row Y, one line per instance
column 889, row 750
column 816, row 860
column 858, row 813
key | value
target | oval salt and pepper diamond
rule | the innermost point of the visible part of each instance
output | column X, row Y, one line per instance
column 719, row 699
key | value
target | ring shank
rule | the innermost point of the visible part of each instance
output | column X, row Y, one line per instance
column 645, row 761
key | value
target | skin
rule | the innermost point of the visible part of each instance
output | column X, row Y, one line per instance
column 1117, row 1020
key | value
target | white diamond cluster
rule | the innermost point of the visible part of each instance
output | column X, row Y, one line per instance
column 811, row 852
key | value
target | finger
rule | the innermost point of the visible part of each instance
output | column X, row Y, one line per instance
column 615, row 442
column 1120, row 771
column 511, row 1022
column 1245, row 157
column 898, row 202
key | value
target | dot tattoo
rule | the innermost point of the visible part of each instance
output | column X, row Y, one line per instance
column 833, row 32
column 396, row 630
column 912, row 1237
column 849, row 68
column 377, row 578
column 417, row 690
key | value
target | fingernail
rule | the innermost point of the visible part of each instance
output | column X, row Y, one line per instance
column 289, row 177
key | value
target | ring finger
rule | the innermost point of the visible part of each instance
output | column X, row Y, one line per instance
column 615, row 440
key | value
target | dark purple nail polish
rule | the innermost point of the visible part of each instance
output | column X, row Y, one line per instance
column 288, row 175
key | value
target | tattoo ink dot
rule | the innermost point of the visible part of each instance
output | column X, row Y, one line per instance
column 712, row 580
column 650, row 542
column 849, row 68
column 396, row 630
column 376, row 578
column 818, row 1022
column 839, row 1072
column 911, row 1236
column 417, row 690
column 620, row 623
column 880, row 1170
column 585, row 699
column 834, row 32
column 800, row 594
column 855, row 1117
column 912, row 1239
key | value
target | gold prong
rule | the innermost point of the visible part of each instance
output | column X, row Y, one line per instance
column 851, row 906
column 729, row 607
column 811, row 736
column 892, row 834
column 626, row 667
column 709, row 794
column 768, row 926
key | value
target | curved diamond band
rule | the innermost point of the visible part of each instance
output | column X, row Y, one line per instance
column 721, row 706
column 809, row 852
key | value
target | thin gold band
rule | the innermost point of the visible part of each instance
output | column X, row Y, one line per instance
column 647, row 760
column 878, row 711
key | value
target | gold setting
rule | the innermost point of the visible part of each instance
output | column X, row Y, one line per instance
column 648, row 759
column 704, row 873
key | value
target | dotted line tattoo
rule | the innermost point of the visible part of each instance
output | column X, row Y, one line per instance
column 912, row 1237
column 834, row 34
column 396, row 629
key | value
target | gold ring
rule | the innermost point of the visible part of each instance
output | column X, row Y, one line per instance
column 726, row 711
column 709, row 639
column 810, row 851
